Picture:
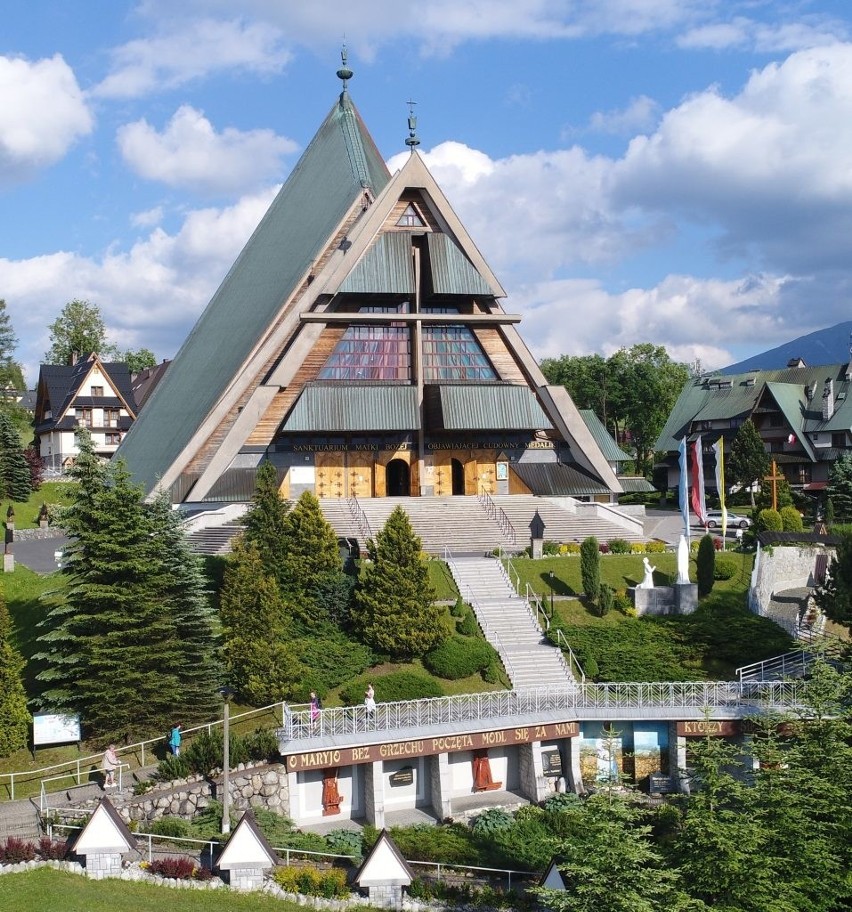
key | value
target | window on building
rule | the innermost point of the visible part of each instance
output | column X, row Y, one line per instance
column 84, row 417
column 804, row 474
column 839, row 440
column 410, row 218
column 452, row 352
column 97, row 391
column 113, row 439
column 111, row 417
column 776, row 419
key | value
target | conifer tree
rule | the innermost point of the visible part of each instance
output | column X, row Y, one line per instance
column 705, row 564
column 394, row 601
column 113, row 649
column 312, row 548
column 590, row 568
column 15, row 478
column 14, row 718
column 839, row 488
column 266, row 521
column 256, row 624
column 835, row 597
column 747, row 462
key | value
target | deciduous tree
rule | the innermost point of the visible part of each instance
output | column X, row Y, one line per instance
column 395, row 609
column 78, row 331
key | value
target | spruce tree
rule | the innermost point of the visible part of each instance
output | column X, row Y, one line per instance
column 266, row 521
column 835, row 597
column 705, row 564
column 839, row 488
column 113, row 648
column 394, row 601
column 312, row 548
column 260, row 663
column 15, row 477
column 14, row 718
column 590, row 568
column 747, row 462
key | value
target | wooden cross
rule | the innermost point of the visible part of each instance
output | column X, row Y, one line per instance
column 774, row 478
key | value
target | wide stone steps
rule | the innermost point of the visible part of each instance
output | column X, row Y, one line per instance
column 507, row 623
column 214, row 539
column 19, row 818
column 563, row 524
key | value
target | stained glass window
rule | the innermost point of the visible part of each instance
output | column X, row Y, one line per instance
column 452, row 353
column 371, row 352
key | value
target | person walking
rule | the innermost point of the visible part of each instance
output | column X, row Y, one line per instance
column 370, row 702
column 174, row 740
column 110, row 764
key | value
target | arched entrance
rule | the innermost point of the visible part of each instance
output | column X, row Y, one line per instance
column 458, row 477
column 397, row 478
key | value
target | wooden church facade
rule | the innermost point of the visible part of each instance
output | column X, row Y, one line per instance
column 359, row 344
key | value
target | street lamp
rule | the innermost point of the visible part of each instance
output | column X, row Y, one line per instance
column 551, row 593
column 226, row 693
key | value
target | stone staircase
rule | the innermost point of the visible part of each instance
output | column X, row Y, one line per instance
column 19, row 818
column 508, row 624
column 214, row 539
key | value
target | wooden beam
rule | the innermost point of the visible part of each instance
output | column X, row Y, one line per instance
column 433, row 318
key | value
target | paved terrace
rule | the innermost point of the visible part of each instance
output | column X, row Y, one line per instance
column 446, row 717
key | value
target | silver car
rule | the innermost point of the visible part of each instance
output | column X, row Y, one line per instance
column 735, row 520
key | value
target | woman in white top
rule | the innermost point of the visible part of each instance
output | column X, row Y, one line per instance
column 110, row 765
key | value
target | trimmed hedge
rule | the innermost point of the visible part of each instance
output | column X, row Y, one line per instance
column 459, row 657
column 398, row 685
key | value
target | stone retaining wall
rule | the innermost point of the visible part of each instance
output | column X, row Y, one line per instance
column 780, row 568
column 38, row 534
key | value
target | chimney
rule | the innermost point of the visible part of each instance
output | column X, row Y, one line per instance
column 828, row 399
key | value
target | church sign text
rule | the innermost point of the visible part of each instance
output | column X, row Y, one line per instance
column 713, row 728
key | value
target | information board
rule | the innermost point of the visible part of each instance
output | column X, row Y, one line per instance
column 54, row 728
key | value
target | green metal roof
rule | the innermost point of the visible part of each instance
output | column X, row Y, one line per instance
column 711, row 399
column 556, row 478
column 452, row 272
column 484, row 406
column 338, row 164
column 354, row 407
column 610, row 449
column 636, row 484
column 386, row 268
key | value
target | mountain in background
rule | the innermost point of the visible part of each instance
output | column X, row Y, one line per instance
column 825, row 346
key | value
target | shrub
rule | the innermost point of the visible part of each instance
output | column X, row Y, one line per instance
column 550, row 548
column 345, row 842
column 717, row 544
column 172, row 768
column 51, row 849
column 312, row 882
column 769, row 521
column 606, row 599
column 591, row 669
column 570, row 548
column 655, row 547
column 173, row 868
column 459, row 657
column 493, row 674
column 725, row 567
column 459, row 609
column 621, row 602
column 619, row 546
column 637, row 548
column 562, row 801
column 590, row 567
column 261, row 744
column 398, row 685
column 791, row 519
column 451, row 843
column 603, row 547
column 170, row 826
column 705, row 563
column 205, row 752
column 15, row 850
column 492, row 821
column 469, row 626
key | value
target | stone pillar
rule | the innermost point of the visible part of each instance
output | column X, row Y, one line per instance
column 677, row 760
column 441, row 785
column 374, row 794
column 290, row 798
column 386, row 896
column 247, row 878
column 534, row 785
column 100, row 865
column 571, row 749
column 686, row 597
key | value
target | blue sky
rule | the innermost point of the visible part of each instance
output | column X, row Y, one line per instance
column 674, row 171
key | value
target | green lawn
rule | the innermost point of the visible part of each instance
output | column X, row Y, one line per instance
column 51, row 492
column 36, row 891
column 442, row 581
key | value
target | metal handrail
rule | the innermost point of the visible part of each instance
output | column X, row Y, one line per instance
column 498, row 514
column 733, row 699
column 360, row 517
column 43, row 805
column 75, row 767
column 531, row 599
column 573, row 661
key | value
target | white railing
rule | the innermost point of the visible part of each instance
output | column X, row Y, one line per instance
column 488, row 631
column 733, row 698
column 574, row 666
column 531, row 599
column 492, row 511
column 82, row 768
column 44, row 796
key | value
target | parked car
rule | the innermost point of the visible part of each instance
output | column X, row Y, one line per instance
column 735, row 520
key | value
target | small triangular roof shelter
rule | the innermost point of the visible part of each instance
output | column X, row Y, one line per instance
column 359, row 318
column 247, row 847
column 104, row 833
column 384, row 866
column 552, row 877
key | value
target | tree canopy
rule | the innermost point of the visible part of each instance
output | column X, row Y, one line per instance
column 14, row 718
column 839, row 489
column 747, row 461
column 78, row 331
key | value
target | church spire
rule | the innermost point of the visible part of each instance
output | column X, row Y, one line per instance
column 413, row 141
column 344, row 74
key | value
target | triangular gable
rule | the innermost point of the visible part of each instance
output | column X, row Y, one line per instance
column 552, row 878
column 384, row 866
column 790, row 401
column 451, row 271
column 104, row 833
column 83, row 374
column 247, row 847
column 215, row 364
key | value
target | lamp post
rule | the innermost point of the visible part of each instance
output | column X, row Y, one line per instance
column 226, row 693
column 551, row 593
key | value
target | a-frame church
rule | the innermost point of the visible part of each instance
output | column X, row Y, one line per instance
column 359, row 343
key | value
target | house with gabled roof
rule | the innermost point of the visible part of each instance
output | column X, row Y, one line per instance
column 359, row 343
column 88, row 394
column 803, row 415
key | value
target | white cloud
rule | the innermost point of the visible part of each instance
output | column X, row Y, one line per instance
column 190, row 49
column 190, row 154
column 147, row 219
column 640, row 115
column 42, row 114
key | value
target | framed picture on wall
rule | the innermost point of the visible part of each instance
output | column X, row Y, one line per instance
column 502, row 471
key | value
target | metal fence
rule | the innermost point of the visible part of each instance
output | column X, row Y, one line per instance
column 733, row 698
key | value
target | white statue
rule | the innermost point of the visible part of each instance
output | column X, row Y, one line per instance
column 648, row 579
column 683, row 560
